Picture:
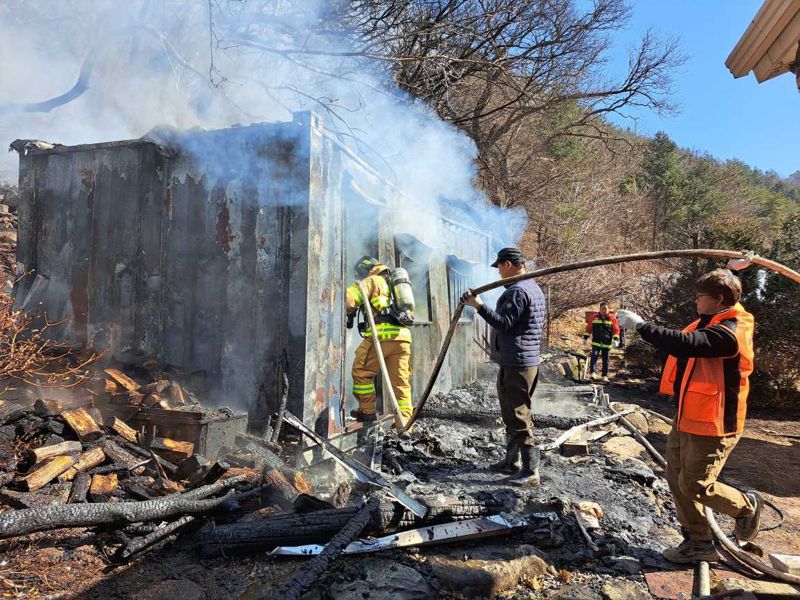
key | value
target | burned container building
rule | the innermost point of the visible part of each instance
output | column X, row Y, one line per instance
column 228, row 252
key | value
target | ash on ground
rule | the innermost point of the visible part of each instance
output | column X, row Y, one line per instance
column 461, row 433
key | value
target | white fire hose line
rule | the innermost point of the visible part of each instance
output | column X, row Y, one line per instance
column 737, row 552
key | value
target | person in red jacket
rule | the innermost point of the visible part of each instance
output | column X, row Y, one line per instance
column 604, row 330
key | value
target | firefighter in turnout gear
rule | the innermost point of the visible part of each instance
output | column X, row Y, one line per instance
column 604, row 329
column 395, row 340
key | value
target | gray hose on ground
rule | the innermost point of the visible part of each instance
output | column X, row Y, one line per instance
column 584, row 264
column 756, row 564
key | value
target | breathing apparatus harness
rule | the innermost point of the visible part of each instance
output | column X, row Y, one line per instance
column 401, row 309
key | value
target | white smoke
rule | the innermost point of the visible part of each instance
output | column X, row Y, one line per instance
column 185, row 63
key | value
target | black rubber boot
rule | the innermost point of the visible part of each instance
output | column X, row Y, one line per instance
column 528, row 475
column 362, row 416
column 510, row 463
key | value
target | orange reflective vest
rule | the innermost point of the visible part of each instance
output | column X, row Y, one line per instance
column 713, row 391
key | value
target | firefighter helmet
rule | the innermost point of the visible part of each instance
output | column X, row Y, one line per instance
column 364, row 265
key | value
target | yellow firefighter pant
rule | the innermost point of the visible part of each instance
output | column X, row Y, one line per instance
column 397, row 355
column 693, row 465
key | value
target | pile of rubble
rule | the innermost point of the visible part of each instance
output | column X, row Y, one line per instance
column 77, row 466
column 600, row 517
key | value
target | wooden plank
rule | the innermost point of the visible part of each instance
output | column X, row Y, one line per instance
column 83, row 424
column 103, row 485
column 122, row 379
column 176, row 394
column 123, row 430
column 156, row 387
column 47, row 472
column 128, row 398
column 87, row 460
column 173, row 450
column 33, row 457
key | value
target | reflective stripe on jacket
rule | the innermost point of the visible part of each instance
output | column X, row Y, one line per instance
column 712, row 395
column 604, row 330
column 380, row 298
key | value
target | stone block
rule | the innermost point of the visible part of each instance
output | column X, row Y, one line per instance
column 488, row 570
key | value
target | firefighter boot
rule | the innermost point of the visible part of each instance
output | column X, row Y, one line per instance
column 510, row 463
column 362, row 416
column 528, row 475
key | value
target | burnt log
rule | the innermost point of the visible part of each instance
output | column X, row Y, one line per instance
column 56, row 494
column 168, row 467
column 22, row 522
column 119, row 455
column 82, row 424
column 147, row 542
column 10, row 413
column 53, row 426
column 80, row 488
column 273, row 461
column 47, row 472
column 103, row 485
column 172, row 450
column 124, row 430
column 47, row 408
column 310, row 573
column 194, row 463
column 86, row 460
column 123, row 380
column 31, row 457
column 320, row 526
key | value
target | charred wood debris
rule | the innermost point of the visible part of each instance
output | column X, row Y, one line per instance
column 69, row 464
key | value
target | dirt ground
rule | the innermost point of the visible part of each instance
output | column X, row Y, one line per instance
column 766, row 459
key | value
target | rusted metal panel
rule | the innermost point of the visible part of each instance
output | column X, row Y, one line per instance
column 228, row 256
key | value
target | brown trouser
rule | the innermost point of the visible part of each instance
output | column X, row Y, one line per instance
column 693, row 465
column 514, row 389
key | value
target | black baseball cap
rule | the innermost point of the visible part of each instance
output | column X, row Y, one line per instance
column 512, row 254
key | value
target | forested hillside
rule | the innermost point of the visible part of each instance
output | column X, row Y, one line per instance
column 531, row 91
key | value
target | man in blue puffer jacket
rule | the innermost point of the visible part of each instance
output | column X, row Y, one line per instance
column 515, row 339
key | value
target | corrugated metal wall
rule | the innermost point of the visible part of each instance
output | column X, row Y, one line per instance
column 227, row 257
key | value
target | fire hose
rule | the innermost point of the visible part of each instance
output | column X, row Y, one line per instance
column 737, row 552
column 585, row 264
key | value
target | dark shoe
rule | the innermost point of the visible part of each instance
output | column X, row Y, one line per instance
column 690, row 552
column 510, row 463
column 528, row 475
column 747, row 527
column 363, row 417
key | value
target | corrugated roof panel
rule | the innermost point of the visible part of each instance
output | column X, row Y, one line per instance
column 767, row 45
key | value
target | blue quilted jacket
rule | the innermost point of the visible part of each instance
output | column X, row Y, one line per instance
column 516, row 325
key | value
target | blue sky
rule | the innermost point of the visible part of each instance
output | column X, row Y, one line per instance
column 726, row 117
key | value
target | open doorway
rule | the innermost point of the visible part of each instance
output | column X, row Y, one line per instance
column 361, row 236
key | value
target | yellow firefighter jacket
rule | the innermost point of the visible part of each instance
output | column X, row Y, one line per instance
column 380, row 299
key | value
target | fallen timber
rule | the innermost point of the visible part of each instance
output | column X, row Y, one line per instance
column 585, row 264
column 31, row 520
column 309, row 575
column 320, row 526
column 459, row 531
column 146, row 542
